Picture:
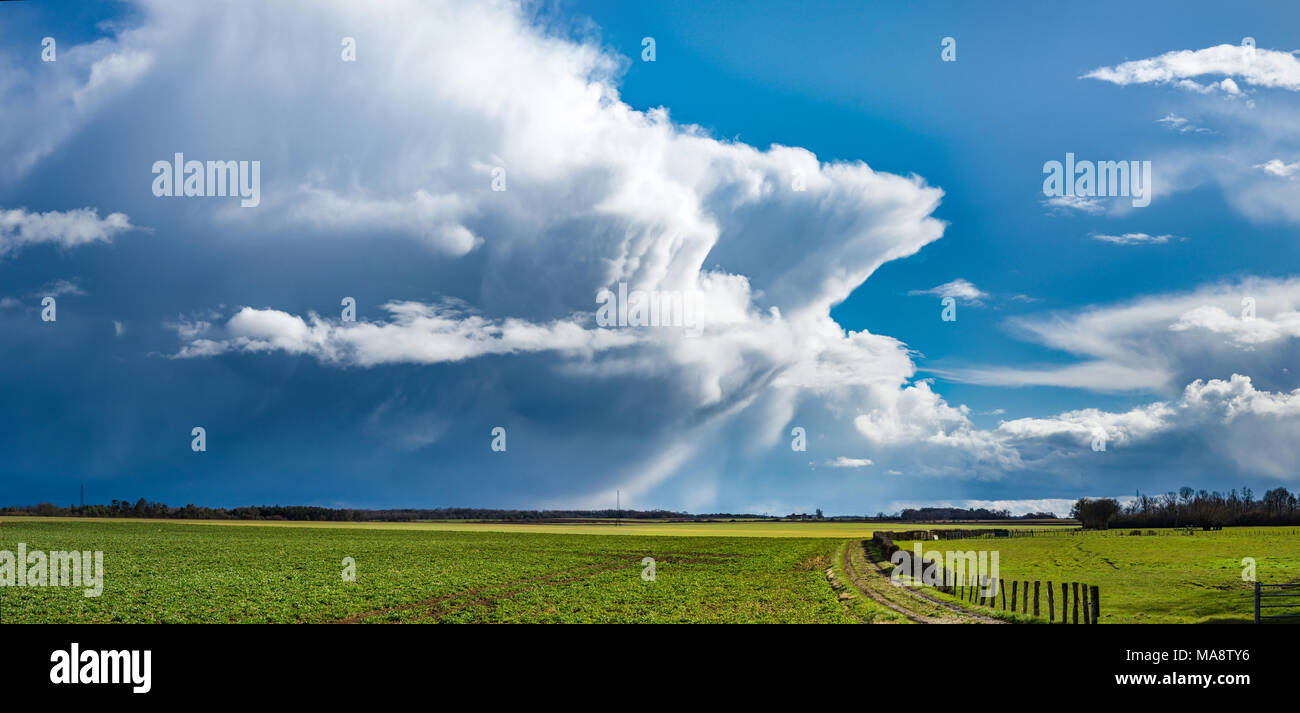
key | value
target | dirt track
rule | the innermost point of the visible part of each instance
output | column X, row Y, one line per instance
column 867, row 577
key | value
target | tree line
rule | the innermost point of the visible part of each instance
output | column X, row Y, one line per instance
column 1191, row 508
column 143, row 508
column 969, row 514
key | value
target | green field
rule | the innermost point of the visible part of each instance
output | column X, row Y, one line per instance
column 740, row 528
column 197, row 571
column 1166, row 578
column 158, row 571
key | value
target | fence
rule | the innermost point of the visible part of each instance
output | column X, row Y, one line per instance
column 983, row 591
column 1287, row 596
column 993, row 533
column 966, row 534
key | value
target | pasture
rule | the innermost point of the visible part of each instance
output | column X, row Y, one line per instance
column 169, row 571
column 440, row 572
column 1165, row 578
column 738, row 528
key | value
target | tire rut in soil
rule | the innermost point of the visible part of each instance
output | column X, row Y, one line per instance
column 957, row 614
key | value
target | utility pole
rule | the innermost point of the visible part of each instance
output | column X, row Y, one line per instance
column 83, row 496
column 618, row 504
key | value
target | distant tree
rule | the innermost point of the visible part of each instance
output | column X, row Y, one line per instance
column 1276, row 500
column 1095, row 514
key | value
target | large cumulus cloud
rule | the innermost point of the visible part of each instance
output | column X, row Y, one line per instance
column 410, row 141
column 448, row 100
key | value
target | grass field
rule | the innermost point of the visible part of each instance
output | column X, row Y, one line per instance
column 741, row 528
column 191, row 572
column 1166, row 578
column 197, row 571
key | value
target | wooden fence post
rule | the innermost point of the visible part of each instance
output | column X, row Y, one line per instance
column 1086, row 612
column 1075, row 587
column 1096, row 605
column 1035, row 597
column 1065, row 602
column 1051, row 605
column 1014, row 586
column 1024, row 602
column 1002, row 586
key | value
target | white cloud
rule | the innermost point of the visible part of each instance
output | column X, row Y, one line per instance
column 1278, row 168
column 1261, row 125
column 435, row 219
column 1135, row 238
column 1252, row 430
column 405, row 141
column 1240, row 330
column 1080, row 204
column 59, row 288
column 20, row 228
column 1256, row 67
column 846, row 462
column 417, row 334
column 597, row 193
column 1181, row 124
column 958, row 289
column 1160, row 342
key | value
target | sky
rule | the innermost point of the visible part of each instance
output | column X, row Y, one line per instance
column 885, row 304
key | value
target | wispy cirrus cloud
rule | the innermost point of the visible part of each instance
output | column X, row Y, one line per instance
column 1161, row 342
column 1182, row 125
column 59, row 288
column 1252, row 66
column 846, row 462
column 1135, row 238
column 960, row 289
column 1074, row 204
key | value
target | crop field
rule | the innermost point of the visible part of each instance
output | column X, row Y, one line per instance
column 197, row 572
column 1166, row 578
column 216, row 572
column 740, row 528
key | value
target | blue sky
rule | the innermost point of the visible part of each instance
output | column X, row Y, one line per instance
column 820, row 308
